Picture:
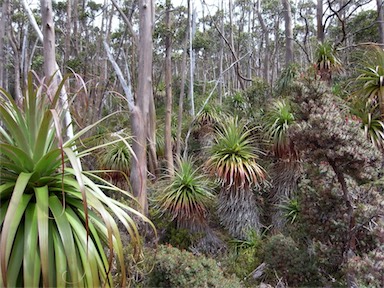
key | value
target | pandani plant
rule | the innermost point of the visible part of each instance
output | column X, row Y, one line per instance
column 58, row 227
column 187, row 197
column 234, row 161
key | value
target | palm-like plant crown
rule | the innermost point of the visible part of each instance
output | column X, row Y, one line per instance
column 55, row 220
column 278, row 119
column 371, row 79
column 370, row 121
column 187, row 197
column 234, row 156
column 326, row 58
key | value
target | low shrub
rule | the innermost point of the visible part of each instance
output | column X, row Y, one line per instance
column 176, row 268
column 285, row 260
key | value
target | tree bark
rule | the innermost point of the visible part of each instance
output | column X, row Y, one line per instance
column 288, row 32
column 192, row 27
column 319, row 21
column 2, row 41
column 168, row 92
column 144, row 95
column 182, row 89
column 48, row 44
column 380, row 20
column 266, row 40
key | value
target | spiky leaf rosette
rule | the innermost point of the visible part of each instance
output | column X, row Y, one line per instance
column 370, row 82
column 327, row 60
column 115, row 159
column 234, row 157
column 279, row 118
column 370, row 122
column 56, row 222
column 234, row 162
column 187, row 197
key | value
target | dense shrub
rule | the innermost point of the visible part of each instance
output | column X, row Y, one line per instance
column 176, row 268
column 286, row 260
column 244, row 258
column 368, row 269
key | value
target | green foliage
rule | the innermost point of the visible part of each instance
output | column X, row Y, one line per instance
column 369, row 268
column 291, row 209
column 201, row 41
column 245, row 257
column 370, row 83
column 326, row 60
column 286, row 79
column 187, row 197
column 37, row 62
column 325, row 132
column 256, row 95
column 115, row 159
column 56, row 221
column 285, row 259
column 175, row 268
column 370, row 122
column 117, row 156
column 362, row 28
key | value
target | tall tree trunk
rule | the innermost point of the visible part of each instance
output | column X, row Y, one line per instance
column 168, row 92
column 68, row 26
column 266, row 40
column 15, row 45
column 288, row 32
column 319, row 21
column 192, row 27
column 380, row 20
column 144, row 94
column 49, row 41
column 75, row 21
column 63, row 92
column 220, row 88
column 182, row 88
column 3, row 15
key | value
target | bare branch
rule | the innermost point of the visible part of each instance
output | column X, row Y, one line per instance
column 125, row 85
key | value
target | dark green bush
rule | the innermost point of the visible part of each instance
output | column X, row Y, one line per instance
column 176, row 268
column 286, row 260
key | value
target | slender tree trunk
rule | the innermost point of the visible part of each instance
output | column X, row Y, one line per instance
column 220, row 88
column 144, row 93
column 182, row 88
column 3, row 16
column 266, row 40
column 75, row 22
column 380, row 20
column 168, row 92
column 24, row 53
column 191, row 18
column 288, row 32
column 49, row 42
column 319, row 21
column 68, row 26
